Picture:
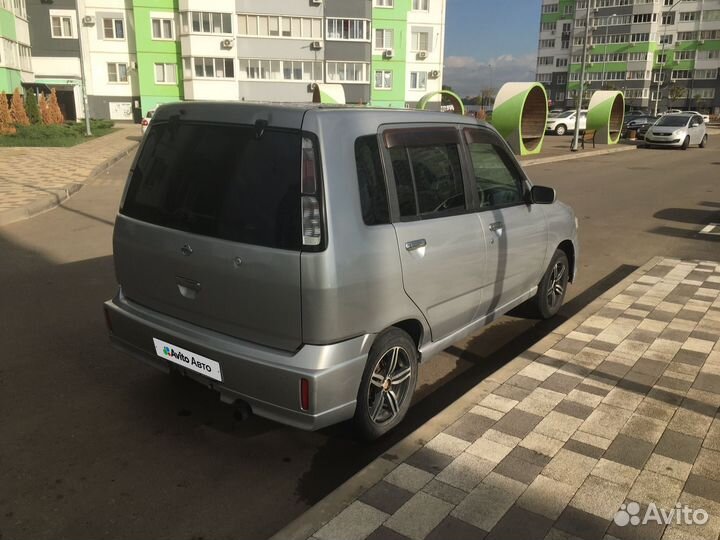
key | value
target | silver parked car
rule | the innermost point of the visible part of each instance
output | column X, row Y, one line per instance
column 678, row 130
column 304, row 259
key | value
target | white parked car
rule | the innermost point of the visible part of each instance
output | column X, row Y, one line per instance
column 561, row 123
column 678, row 130
column 146, row 121
column 705, row 117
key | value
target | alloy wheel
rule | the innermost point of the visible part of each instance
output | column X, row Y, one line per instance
column 556, row 284
column 389, row 385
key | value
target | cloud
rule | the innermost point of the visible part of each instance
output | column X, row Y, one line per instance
column 468, row 75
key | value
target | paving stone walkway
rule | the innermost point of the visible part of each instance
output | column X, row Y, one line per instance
column 620, row 407
column 29, row 175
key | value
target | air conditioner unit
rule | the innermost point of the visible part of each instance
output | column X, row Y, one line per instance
column 434, row 74
column 133, row 65
column 316, row 45
column 88, row 20
column 316, row 2
column 701, row 41
column 226, row 43
column 388, row 53
column 422, row 55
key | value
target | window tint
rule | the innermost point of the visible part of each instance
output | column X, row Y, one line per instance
column 428, row 179
column 371, row 180
column 220, row 181
column 497, row 182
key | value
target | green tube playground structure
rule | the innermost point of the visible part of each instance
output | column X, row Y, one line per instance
column 520, row 115
column 606, row 114
column 458, row 107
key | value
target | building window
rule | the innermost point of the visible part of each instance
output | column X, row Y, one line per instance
column 274, row 26
column 706, row 74
column 384, row 3
column 277, row 70
column 113, row 29
column 383, row 79
column 348, row 72
column 203, row 22
column 117, row 72
column 210, row 68
column 61, row 27
column 420, row 5
column 348, row 29
column 686, row 16
column 165, row 73
column 418, row 80
column 162, row 28
column 561, row 62
column 383, row 38
column 420, row 41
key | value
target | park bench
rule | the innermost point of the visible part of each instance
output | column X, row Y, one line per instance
column 587, row 135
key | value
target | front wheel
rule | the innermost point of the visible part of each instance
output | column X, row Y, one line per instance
column 387, row 385
column 553, row 285
column 686, row 143
column 703, row 143
column 560, row 130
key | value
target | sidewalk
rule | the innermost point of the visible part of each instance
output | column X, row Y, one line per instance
column 557, row 148
column 619, row 405
column 33, row 180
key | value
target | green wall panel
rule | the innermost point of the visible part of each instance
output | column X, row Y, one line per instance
column 9, row 80
column 394, row 19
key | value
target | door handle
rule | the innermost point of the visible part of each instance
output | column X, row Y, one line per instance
column 497, row 226
column 415, row 244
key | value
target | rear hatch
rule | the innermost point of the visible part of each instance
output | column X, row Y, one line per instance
column 209, row 229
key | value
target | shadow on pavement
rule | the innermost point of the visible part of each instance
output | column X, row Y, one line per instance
column 688, row 215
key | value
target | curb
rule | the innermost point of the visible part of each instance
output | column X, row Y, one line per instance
column 567, row 157
column 311, row 521
column 56, row 197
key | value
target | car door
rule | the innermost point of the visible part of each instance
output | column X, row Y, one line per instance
column 696, row 129
column 441, row 245
column 516, row 231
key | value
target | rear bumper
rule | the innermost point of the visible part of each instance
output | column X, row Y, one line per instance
column 267, row 379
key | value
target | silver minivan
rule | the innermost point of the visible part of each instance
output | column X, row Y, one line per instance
column 305, row 259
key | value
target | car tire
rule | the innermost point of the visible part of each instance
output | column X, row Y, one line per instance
column 703, row 143
column 553, row 285
column 686, row 143
column 390, row 376
column 560, row 130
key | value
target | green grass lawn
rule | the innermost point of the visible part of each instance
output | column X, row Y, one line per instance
column 68, row 134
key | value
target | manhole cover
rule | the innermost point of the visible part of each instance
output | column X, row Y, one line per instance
column 712, row 228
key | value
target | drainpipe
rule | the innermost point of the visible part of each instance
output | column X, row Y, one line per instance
column 576, row 136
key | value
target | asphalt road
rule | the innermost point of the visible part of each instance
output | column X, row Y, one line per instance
column 95, row 445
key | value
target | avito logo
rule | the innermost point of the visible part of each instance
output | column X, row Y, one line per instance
column 167, row 351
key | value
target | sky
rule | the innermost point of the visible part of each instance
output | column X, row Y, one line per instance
column 490, row 42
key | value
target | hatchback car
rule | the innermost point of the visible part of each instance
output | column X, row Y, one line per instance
column 678, row 130
column 561, row 123
column 145, row 123
column 305, row 259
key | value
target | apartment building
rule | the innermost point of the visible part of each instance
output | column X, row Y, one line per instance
column 408, row 50
column 139, row 54
column 15, row 61
column 664, row 52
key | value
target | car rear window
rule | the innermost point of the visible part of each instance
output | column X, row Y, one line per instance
column 221, row 181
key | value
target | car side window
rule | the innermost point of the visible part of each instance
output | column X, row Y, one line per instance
column 698, row 119
column 371, row 181
column 428, row 176
column 497, row 180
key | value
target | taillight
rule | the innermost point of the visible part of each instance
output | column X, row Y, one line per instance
column 304, row 394
column 311, row 210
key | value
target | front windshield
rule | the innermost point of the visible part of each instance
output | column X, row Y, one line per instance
column 673, row 121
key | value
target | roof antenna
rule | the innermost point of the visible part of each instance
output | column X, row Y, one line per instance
column 260, row 126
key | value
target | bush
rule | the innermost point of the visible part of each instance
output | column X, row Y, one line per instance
column 32, row 108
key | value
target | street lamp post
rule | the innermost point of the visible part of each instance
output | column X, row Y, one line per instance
column 83, row 81
column 607, row 29
column 662, row 54
column 576, row 135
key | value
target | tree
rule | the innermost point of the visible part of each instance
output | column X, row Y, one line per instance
column 56, row 114
column 7, row 126
column 17, row 111
column 32, row 109
column 676, row 92
column 44, row 109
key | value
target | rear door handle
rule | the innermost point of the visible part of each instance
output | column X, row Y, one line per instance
column 415, row 244
column 497, row 226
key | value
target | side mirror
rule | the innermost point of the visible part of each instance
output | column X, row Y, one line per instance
column 695, row 124
column 542, row 195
